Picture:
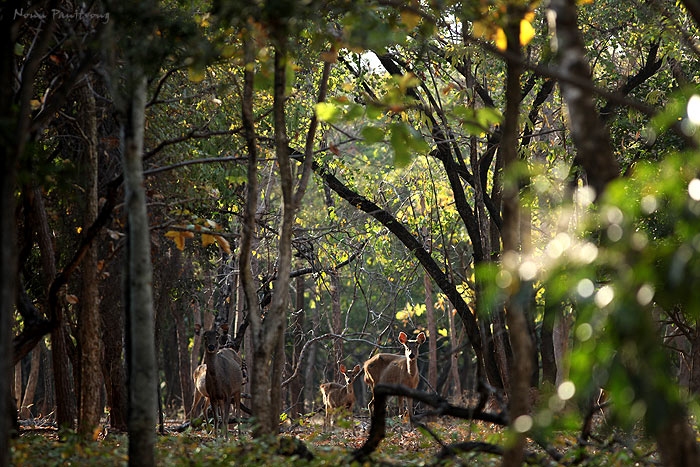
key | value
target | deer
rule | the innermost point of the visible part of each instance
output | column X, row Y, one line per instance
column 386, row 368
column 336, row 395
column 223, row 380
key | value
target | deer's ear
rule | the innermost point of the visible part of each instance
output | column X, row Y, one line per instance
column 403, row 337
column 421, row 338
column 343, row 369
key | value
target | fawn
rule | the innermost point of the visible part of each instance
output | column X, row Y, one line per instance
column 336, row 395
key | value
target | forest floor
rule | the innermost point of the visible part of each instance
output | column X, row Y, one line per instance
column 306, row 443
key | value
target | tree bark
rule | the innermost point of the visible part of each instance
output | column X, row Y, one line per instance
column 296, row 387
column 32, row 380
column 517, row 302
column 185, row 369
column 334, row 290
column 141, row 359
column 432, row 332
column 591, row 137
column 90, row 407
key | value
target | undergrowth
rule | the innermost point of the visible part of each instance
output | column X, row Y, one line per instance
column 306, row 444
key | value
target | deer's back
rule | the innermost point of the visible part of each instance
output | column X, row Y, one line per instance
column 396, row 372
column 375, row 367
column 336, row 394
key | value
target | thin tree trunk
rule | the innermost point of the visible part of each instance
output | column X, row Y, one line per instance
column 432, row 332
column 248, row 227
column 454, row 357
column 89, row 318
column 694, row 379
column 17, row 386
column 141, row 358
column 298, row 317
column 517, row 303
column 336, row 321
column 32, row 380
column 185, row 370
column 549, row 365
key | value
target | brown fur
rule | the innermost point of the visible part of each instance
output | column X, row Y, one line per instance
column 386, row 368
column 200, row 391
column 336, row 395
column 223, row 380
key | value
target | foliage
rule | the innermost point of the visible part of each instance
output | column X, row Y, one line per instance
column 415, row 447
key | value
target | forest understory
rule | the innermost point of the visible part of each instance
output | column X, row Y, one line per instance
column 444, row 441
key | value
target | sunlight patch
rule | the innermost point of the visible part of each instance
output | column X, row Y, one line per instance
column 604, row 296
column 566, row 390
column 694, row 189
column 522, row 424
column 694, row 109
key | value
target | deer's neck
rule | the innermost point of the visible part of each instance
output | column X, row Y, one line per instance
column 412, row 366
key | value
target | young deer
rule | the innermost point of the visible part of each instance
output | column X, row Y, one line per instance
column 223, row 380
column 200, row 391
column 386, row 368
column 336, row 395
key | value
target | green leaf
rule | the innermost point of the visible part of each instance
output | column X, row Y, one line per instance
column 399, row 139
column 372, row 134
column 327, row 112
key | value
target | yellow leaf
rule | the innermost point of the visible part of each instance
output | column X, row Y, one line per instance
column 480, row 29
column 35, row 104
column 584, row 2
column 207, row 239
column 410, row 19
column 527, row 32
column 179, row 237
column 223, row 243
column 501, row 40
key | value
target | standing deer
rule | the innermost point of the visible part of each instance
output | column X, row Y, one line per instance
column 200, row 387
column 336, row 395
column 386, row 368
column 223, row 380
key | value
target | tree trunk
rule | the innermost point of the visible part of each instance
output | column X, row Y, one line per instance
column 66, row 411
column 517, row 303
column 185, row 370
column 32, row 380
column 90, row 407
column 141, row 359
column 114, row 369
column 454, row 357
column 590, row 136
column 296, row 388
column 694, row 379
column 248, row 235
column 549, row 364
column 8, row 251
column 17, row 386
column 336, row 320
column 432, row 332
